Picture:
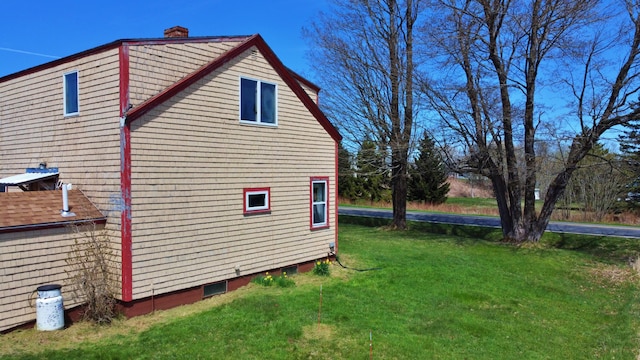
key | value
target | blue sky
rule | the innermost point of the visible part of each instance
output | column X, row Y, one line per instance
column 34, row 28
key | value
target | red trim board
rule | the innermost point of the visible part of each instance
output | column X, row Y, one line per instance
column 335, row 200
column 125, row 178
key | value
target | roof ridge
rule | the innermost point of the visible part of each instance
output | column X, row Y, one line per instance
column 116, row 43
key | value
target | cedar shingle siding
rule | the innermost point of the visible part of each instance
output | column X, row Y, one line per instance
column 192, row 157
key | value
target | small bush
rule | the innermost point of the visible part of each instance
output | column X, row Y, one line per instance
column 269, row 280
column 92, row 273
column 322, row 268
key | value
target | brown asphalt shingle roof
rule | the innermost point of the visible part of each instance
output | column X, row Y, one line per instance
column 33, row 209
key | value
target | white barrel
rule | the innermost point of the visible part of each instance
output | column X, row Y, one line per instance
column 49, row 308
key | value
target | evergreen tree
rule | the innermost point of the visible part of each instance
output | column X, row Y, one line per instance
column 427, row 175
column 371, row 169
column 347, row 184
column 630, row 148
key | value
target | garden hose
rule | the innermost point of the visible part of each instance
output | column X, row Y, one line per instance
column 348, row 268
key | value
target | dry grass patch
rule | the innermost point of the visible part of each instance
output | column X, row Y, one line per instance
column 614, row 275
column 322, row 332
column 315, row 340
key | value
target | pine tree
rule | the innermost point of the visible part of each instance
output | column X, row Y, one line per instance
column 347, row 185
column 630, row 148
column 427, row 175
column 371, row 169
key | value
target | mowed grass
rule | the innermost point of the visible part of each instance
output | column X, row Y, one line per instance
column 434, row 297
column 489, row 203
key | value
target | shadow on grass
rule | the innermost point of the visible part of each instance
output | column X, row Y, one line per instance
column 615, row 249
column 611, row 249
column 470, row 232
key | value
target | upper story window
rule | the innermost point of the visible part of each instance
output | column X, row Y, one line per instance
column 258, row 102
column 71, row 106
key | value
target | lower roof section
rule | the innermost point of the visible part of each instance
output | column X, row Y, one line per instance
column 29, row 210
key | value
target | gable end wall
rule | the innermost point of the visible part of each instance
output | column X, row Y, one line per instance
column 191, row 160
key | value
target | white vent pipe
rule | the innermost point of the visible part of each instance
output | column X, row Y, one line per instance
column 65, row 201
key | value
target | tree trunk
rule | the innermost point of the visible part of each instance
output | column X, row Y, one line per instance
column 500, row 192
column 397, row 143
column 399, row 189
column 402, row 132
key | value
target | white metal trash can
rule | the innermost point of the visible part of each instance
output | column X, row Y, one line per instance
column 49, row 308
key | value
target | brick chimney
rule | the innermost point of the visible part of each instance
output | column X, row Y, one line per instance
column 176, row 31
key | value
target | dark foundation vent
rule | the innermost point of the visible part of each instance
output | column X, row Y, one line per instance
column 290, row 270
column 215, row 289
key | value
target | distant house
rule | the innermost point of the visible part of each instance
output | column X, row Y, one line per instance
column 205, row 158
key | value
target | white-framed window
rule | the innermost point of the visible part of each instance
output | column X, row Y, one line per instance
column 319, row 202
column 257, row 200
column 71, row 99
column 258, row 102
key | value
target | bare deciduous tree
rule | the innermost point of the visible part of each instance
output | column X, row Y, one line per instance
column 363, row 53
column 597, row 184
column 517, row 59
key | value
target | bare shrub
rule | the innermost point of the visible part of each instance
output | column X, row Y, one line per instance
column 91, row 273
column 634, row 263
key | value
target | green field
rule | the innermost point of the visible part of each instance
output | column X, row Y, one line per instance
column 473, row 202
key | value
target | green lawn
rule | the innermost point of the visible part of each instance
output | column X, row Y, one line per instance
column 489, row 203
column 435, row 297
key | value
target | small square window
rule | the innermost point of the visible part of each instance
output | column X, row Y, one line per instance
column 257, row 201
column 71, row 102
column 258, row 102
column 319, row 202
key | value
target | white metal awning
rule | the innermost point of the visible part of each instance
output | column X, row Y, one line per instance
column 27, row 178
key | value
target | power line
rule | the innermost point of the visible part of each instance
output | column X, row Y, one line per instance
column 29, row 53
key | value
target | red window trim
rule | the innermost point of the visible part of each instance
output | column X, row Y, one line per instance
column 325, row 179
column 246, row 191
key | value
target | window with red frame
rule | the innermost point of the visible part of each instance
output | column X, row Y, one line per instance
column 319, row 202
column 257, row 200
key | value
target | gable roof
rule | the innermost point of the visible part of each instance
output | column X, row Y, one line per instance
column 30, row 210
column 290, row 78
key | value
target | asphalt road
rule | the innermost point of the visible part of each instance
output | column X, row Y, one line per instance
column 490, row 221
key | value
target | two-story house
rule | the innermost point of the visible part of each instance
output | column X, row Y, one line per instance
column 208, row 160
